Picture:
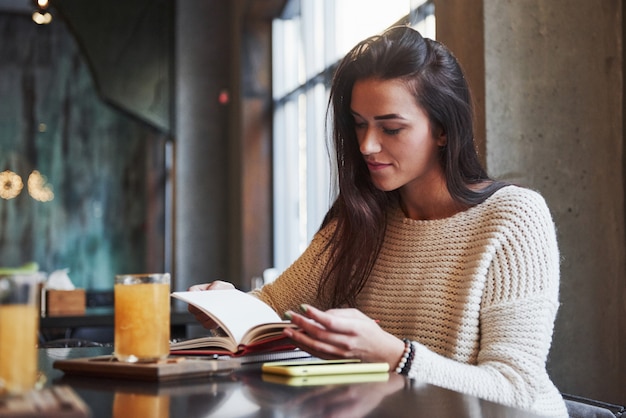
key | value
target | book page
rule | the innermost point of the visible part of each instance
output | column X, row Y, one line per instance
column 263, row 332
column 235, row 311
column 213, row 343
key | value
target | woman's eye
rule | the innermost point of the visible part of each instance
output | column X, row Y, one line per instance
column 391, row 131
column 360, row 125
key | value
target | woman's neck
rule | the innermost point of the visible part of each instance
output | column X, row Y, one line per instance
column 429, row 203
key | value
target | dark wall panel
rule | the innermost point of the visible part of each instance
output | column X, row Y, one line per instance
column 104, row 168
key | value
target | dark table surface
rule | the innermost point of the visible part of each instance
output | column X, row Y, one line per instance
column 245, row 393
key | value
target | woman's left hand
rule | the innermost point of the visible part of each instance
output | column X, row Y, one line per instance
column 343, row 333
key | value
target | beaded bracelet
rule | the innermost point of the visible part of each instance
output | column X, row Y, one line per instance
column 407, row 358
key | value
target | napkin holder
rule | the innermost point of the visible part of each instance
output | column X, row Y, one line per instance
column 59, row 297
column 64, row 302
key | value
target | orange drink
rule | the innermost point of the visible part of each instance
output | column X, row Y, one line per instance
column 19, row 324
column 140, row 405
column 142, row 317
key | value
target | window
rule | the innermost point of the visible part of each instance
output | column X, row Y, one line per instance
column 308, row 43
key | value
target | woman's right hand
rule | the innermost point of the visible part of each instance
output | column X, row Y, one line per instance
column 200, row 316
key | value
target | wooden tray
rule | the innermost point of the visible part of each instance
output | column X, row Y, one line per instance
column 170, row 369
column 53, row 402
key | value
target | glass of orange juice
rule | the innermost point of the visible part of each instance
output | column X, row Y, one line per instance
column 19, row 325
column 142, row 317
column 141, row 405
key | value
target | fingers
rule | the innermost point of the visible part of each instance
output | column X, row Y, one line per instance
column 323, row 334
column 215, row 285
column 220, row 285
column 199, row 287
column 342, row 333
column 314, row 346
column 337, row 320
column 202, row 318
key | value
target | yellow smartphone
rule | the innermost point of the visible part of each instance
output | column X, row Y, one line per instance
column 337, row 379
column 323, row 367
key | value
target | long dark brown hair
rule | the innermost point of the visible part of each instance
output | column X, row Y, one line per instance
column 360, row 210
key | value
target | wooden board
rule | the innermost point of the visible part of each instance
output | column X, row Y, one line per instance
column 170, row 369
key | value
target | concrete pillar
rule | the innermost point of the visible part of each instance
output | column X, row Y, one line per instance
column 201, row 196
column 222, row 227
column 553, row 111
column 465, row 37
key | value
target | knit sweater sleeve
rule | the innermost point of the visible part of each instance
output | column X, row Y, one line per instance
column 298, row 284
column 518, row 308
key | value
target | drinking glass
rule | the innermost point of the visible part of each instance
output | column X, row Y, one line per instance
column 19, row 325
column 140, row 405
column 142, row 317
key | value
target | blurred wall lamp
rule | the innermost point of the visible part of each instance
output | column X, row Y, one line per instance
column 11, row 186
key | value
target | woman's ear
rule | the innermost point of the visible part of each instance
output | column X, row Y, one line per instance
column 441, row 138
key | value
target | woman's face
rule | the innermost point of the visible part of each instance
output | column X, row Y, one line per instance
column 394, row 136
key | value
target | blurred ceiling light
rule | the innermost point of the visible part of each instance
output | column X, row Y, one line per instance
column 42, row 17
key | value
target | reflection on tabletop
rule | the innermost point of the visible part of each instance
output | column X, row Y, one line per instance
column 245, row 393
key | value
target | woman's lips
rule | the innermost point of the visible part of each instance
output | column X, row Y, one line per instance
column 376, row 166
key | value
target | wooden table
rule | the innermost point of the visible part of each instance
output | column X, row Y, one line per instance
column 246, row 393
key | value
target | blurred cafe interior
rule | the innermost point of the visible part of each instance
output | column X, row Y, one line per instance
column 188, row 136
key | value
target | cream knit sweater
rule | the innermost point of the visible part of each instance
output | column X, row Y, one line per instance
column 477, row 293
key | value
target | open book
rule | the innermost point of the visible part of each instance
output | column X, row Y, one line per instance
column 249, row 324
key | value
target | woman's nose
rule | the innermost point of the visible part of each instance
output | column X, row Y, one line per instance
column 369, row 142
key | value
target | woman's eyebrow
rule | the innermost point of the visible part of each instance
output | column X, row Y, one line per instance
column 381, row 117
column 388, row 116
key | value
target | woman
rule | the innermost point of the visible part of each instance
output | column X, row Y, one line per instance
column 423, row 261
